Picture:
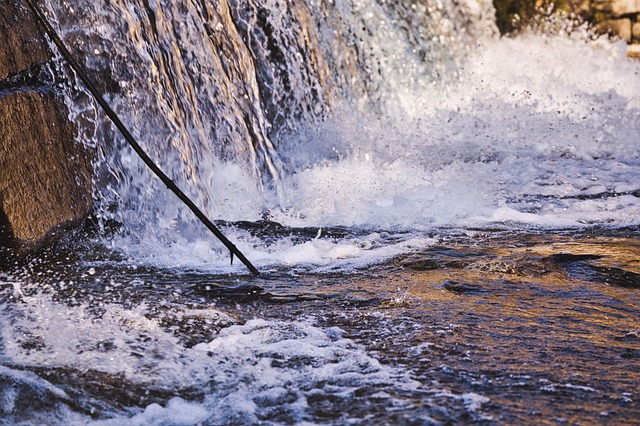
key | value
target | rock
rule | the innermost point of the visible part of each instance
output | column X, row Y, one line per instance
column 45, row 178
column 616, row 276
column 633, row 50
column 419, row 262
column 21, row 45
column 463, row 288
column 514, row 15
column 6, row 235
column 617, row 7
column 568, row 257
column 44, row 174
column 635, row 31
column 621, row 27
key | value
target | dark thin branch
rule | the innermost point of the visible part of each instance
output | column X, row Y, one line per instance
column 50, row 31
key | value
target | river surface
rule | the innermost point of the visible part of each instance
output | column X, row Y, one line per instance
column 446, row 223
column 483, row 327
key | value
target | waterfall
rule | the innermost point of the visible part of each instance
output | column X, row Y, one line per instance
column 445, row 220
column 202, row 83
column 367, row 114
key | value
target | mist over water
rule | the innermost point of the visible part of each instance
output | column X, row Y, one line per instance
column 528, row 132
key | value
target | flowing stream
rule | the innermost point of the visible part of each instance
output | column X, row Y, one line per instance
column 446, row 222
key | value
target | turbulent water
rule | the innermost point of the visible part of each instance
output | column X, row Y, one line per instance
column 427, row 202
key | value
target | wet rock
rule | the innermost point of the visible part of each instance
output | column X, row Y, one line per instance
column 630, row 336
column 44, row 174
column 23, row 390
column 616, row 276
column 514, row 15
column 617, row 7
column 5, row 229
column 463, row 288
column 91, row 391
column 239, row 293
column 420, row 263
column 436, row 258
column 575, row 265
column 21, row 45
column 568, row 257
column 621, row 27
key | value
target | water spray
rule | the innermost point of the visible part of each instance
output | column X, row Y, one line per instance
column 50, row 31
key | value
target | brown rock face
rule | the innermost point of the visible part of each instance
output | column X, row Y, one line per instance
column 21, row 46
column 43, row 174
column 45, row 178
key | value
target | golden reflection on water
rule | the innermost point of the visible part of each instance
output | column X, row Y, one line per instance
column 546, row 328
column 561, row 313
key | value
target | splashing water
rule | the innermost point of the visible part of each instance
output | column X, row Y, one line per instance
column 212, row 90
column 416, row 133
column 532, row 131
column 330, row 137
column 262, row 370
column 399, row 118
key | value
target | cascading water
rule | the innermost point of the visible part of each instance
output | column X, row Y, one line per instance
column 211, row 90
column 337, row 139
column 364, row 114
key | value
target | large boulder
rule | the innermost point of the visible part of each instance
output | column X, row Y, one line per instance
column 45, row 177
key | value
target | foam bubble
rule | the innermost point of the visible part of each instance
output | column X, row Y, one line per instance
column 177, row 412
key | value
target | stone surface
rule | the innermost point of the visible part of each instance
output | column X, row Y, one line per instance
column 6, row 235
column 616, row 17
column 21, row 45
column 44, row 175
column 633, row 51
column 617, row 7
column 635, row 31
column 621, row 27
column 580, row 8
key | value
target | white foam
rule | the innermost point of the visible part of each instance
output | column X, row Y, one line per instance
column 530, row 123
column 177, row 412
column 529, row 126
column 345, row 255
column 245, row 372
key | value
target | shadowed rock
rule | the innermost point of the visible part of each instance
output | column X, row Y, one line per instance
column 44, row 174
column 21, row 45
column 463, row 288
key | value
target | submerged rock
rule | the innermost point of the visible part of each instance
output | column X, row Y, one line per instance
column 616, row 276
column 463, row 288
